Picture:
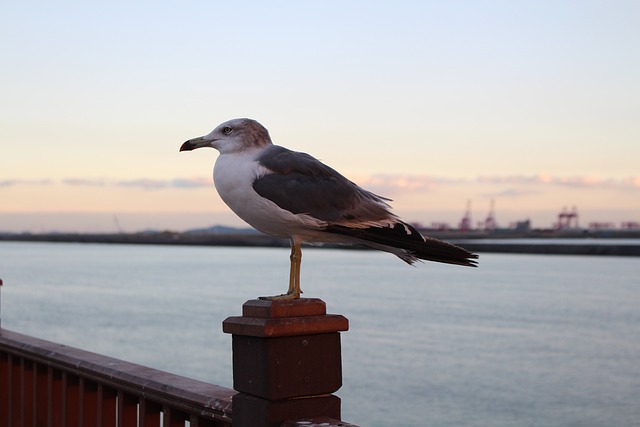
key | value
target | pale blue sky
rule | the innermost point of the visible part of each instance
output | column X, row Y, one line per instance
column 536, row 104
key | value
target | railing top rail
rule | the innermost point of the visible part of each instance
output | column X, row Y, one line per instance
column 179, row 392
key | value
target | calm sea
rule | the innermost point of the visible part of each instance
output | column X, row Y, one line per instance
column 524, row 340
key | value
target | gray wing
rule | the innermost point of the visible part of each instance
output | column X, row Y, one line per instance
column 301, row 184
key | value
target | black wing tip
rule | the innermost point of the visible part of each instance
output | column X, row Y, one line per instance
column 448, row 253
column 465, row 261
column 471, row 260
column 406, row 238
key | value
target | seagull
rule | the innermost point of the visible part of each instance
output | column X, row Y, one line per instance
column 293, row 195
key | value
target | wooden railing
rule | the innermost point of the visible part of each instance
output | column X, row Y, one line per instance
column 48, row 384
column 281, row 378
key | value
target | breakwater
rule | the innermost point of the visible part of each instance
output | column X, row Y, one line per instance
column 553, row 248
column 549, row 244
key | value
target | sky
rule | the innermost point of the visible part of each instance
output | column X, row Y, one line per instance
column 535, row 105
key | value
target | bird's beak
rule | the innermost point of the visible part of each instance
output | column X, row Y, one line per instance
column 194, row 143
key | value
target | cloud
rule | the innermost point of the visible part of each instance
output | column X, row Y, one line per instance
column 391, row 184
column 192, row 182
column 144, row 183
column 511, row 193
column 510, row 179
column 14, row 182
column 158, row 184
column 85, row 182
column 576, row 181
column 517, row 185
column 632, row 181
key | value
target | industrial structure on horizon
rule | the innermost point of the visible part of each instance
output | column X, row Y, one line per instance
column 568, row 219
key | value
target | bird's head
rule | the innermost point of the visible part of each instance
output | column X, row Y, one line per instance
column 232, row 136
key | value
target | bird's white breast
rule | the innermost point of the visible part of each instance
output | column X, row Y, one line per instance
column 233, row 176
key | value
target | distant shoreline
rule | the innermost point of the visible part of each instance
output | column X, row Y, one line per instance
column 477, row 241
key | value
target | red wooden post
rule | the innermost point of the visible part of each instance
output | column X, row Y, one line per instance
column 286, row 361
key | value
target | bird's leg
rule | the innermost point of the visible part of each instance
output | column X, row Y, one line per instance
column 292, row 270
column 296, row 262
column 294, row 275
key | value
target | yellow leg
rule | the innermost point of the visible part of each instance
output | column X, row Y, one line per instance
column 294, row 275
column 292, row 270
column 296, row 262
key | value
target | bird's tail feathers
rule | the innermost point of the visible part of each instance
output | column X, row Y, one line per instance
column 408, row 244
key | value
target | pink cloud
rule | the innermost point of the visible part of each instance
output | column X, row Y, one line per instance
column 384, row 184
column 512, row 192
column 576, row 181
column 390, row 184
column 85, row 182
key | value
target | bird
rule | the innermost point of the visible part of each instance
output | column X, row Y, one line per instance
column 293, row 195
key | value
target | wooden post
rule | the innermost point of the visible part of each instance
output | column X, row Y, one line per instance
column 286, row 361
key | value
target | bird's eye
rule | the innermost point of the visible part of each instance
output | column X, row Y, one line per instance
column 227, row 130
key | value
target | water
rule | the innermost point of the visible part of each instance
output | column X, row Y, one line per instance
column 524, row 340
